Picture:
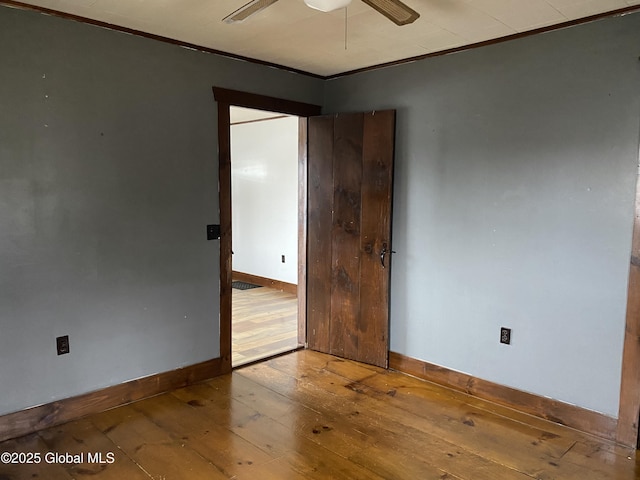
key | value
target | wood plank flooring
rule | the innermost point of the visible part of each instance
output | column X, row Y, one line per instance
column 308, row 415
column 265, row 323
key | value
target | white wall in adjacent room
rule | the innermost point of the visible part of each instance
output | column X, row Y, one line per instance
column 264, row 171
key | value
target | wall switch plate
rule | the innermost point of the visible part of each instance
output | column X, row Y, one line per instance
column 282, row 258
column 213, row 232
column 62, row 344
column 505, row 335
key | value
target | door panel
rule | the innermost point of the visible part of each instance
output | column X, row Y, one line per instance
column 345, row 235
column 377, row 197
column 350, row 192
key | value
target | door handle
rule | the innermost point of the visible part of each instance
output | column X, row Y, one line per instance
column 383, row 254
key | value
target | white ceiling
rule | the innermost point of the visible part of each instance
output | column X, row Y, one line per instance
column 290, row 34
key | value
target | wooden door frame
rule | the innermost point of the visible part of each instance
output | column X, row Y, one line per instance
column 629, row 411
column 226, row 98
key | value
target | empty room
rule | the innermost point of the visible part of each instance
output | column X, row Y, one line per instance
column 462, row 239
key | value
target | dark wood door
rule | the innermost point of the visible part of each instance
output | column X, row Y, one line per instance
column 350, row 162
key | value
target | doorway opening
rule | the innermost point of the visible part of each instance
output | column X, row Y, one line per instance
column 225, row 98
column 265, row 213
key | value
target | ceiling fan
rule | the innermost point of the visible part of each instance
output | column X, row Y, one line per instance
column 394, row 10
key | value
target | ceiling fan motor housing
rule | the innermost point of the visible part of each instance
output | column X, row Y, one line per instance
column 327, row 5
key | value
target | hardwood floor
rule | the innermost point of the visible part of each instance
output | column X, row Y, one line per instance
column 265, row 323
column 308, row 415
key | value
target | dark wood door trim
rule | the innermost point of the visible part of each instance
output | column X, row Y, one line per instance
column 225, row 99
column 263, row 102
column 224, row 188
column 627, row 429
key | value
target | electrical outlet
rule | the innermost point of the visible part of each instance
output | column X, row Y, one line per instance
column 282, row 258
column 505, row 335
column 62, row 344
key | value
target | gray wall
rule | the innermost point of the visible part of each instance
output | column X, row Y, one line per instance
column 515, row 175
column 108, row 176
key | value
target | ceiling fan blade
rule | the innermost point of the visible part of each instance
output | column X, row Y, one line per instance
column 244, row 12
column 394, row 10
